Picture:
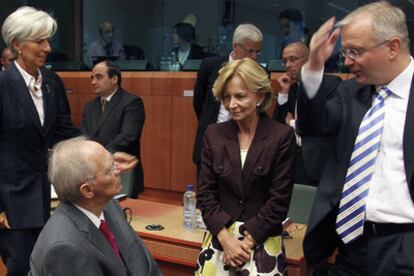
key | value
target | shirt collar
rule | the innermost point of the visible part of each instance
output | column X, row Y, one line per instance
column 29, row 79
column 231, row 57
column 95, row 220
column 401, row 84
column 108, row 98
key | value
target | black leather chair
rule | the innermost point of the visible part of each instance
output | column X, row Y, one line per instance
column 134, row 52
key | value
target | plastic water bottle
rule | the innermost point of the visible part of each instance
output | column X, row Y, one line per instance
column 189, row 208
column 175, row 65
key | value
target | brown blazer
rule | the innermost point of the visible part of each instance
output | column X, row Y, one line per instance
column 259, row 194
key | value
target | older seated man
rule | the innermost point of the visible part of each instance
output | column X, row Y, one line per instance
column 88, row 234
column 105, row 45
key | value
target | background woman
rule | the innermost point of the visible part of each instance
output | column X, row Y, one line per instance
column 183, row 37
column 246, row 178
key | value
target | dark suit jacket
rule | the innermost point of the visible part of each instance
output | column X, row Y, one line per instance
column 24, row 144
column 340, row 114
column 205, row 104
column 118, row 128
column 259, row 194
column 281, row 111
column 314, row 149
column 70, row 244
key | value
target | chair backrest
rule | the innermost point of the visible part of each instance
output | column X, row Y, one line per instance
column 301, row 203
column 134, row 52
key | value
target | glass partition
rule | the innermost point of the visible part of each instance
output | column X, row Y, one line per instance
column 177, row 34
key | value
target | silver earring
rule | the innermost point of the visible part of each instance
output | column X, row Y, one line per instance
column 258, row 104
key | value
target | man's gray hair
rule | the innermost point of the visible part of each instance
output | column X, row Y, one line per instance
column 388, row 21
column 246, row 32
column 27, row 23
column 70, row 167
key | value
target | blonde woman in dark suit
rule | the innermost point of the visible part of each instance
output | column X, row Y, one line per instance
column 246, row 178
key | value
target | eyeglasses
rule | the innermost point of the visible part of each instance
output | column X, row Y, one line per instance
column 250, row 51
column 292, row 59
column 354, row 53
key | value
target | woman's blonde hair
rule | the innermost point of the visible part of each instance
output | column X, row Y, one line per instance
column 253, row 75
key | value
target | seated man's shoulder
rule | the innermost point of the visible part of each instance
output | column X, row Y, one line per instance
column 95, row 44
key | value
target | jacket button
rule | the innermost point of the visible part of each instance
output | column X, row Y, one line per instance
column 241, row 203
column 220, row 168
column 260, row 169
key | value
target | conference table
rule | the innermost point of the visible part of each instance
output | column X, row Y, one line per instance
column 176, row 249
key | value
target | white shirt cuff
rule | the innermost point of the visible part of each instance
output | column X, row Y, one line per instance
column 311, row 80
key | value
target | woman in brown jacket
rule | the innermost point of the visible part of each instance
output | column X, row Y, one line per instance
column 246, row 178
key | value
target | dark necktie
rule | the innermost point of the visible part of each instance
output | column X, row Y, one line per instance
column 108, row 49
column 103, row 104
column 110, row 237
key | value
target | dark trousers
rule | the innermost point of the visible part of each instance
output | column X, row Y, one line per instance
column 15, row 249
column 301, row 176
column 375, row 255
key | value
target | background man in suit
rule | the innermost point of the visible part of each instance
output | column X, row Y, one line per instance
column 247, row 42
column 106, row 45
column 87, row 233
column 310, row 151
column 365, row 201
column 6, row 58
column 294, row 56
column 115, row 118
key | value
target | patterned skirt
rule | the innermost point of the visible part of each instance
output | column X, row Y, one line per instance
column 266, row 259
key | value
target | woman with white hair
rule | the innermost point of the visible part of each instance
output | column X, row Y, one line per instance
column 34, row 116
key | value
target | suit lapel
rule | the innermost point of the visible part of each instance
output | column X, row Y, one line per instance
column 116, row 231
column 94, row 235
column 292, row 98
column 123, row 244
column 47, row 103
column 19, row 87
column 116, row 98
column 232, row 149
column 364, row 103
column 94, row 118
column 255, row 151
column 408, row 138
